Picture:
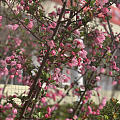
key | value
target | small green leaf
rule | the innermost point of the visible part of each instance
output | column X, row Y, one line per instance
column 106, row 117
column 26, row 21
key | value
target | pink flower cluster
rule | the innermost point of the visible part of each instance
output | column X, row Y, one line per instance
column 101, row 2
column 30, row 24
column 0, row 21
column 100, row 37
column 13, row 27
column 103, row 103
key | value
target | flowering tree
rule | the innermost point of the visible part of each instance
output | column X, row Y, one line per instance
column 63, row 39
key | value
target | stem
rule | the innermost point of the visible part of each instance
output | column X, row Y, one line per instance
column 33, row 106
column 33, row 87
column 79, row 105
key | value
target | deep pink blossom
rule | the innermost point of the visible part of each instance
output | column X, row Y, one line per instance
column 0, row 18
column 49, row 110
column 53, row 52
column 89, row 110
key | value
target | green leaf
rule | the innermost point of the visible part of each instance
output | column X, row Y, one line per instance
column 39, row 114
column 106, row 117
column 35, row 116
column 26, row 21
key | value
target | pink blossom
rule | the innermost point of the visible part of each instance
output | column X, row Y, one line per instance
column 118, row 5
column 57, row 70
column 46, row 115
column 82, row 53
column 58, row 10
column 68, row 46
column 30, row 1
column 9, row 105
column 89, row 110
column 51, row 44
column 0, row 98
column 80, row 43
column 13, row 27
column 110, row 73
column 0, row 18
column 59, row 49
column 14, row 111
column 1, row 106
column 3, row 62
column 43, row 100
column 6, row 71
column 19, row 80
column 30, row 25
column 93, row 68
column 53, row 52
column 13, row 63
column 104, row 101
column 52, row 14
column 68, row 71
column 39, row 83
column 12, row 57
column 22, row 2
column 11, row 76
column 74, row 62
column 19, row 66
column 114, row 82
column 66, row 78
column 98, row 88
column 18, row 41
column 101, row 2
column 102, row 70
column 12, row 70
column 54, row 24
column 77, row 32
column 80, row 22
column 19, row 8
column 61, row 45
column 70, row 110
column 98, row 112
column 98, row 78
column 75, row 117
column 105, row 10
column 29, row 109
column 49, row 110
column 100, row 37
column 8, row 60
column 9, row 118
